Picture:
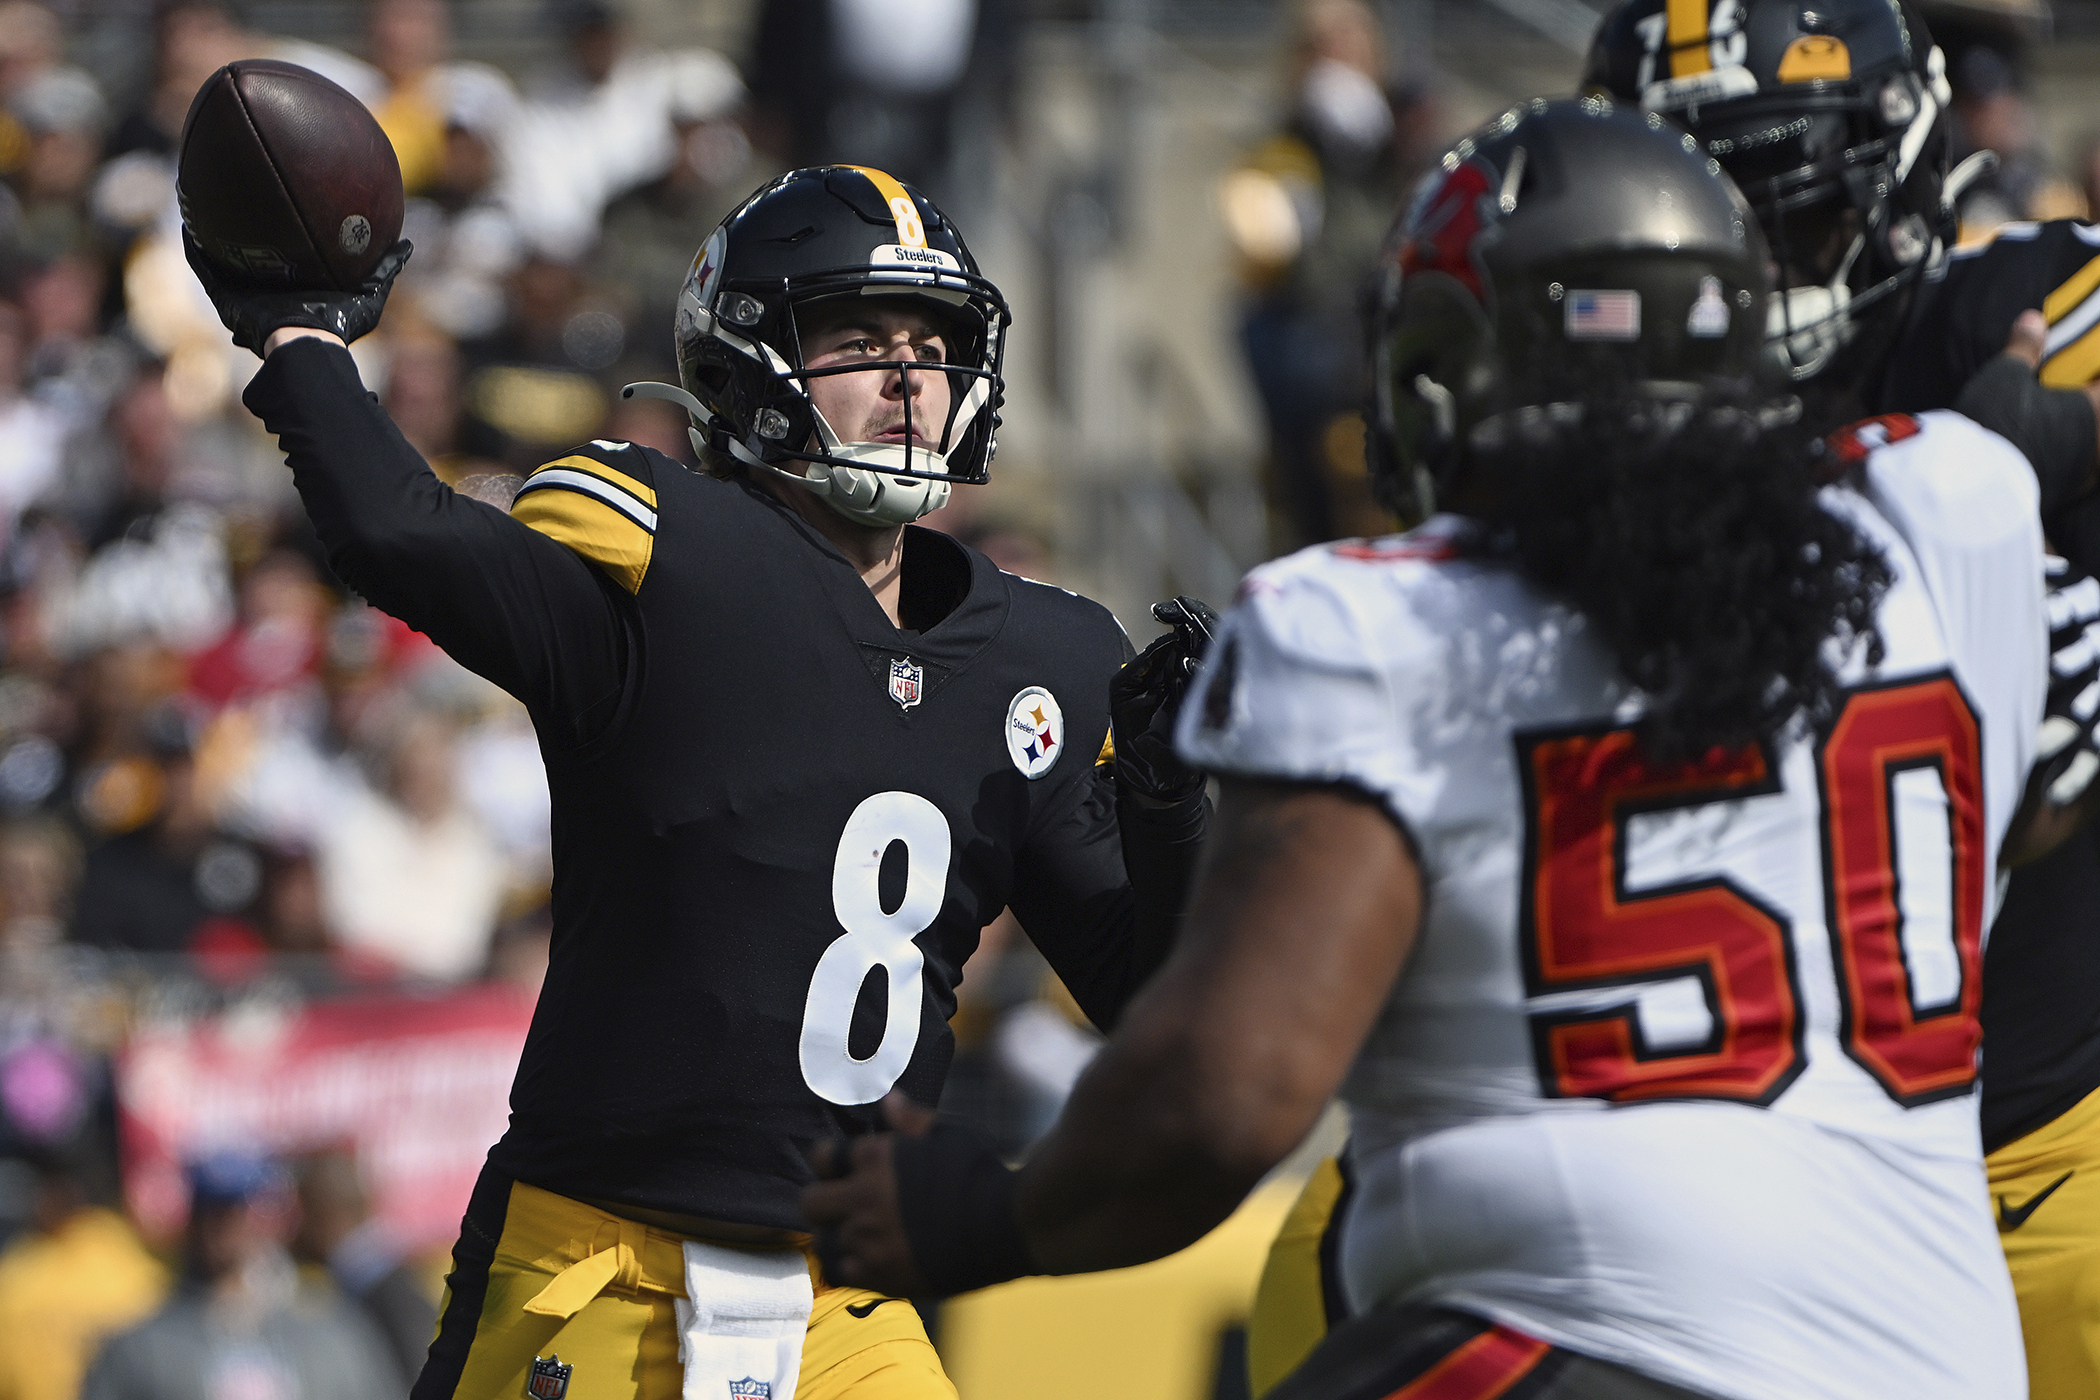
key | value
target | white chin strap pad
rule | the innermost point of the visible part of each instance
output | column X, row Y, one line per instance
column 867, row 495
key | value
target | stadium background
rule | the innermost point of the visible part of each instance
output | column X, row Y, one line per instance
column 273, row 871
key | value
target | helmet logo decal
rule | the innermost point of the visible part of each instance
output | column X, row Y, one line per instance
column 1708, row 319
column 1814, row 56
column 1444, row 234
column 1614, row 315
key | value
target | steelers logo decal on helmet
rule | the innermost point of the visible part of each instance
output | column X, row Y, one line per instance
column 1035, row 731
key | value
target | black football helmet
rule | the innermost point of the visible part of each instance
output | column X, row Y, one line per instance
column 1831, row 117
column 809, row 236
column 1564, row 250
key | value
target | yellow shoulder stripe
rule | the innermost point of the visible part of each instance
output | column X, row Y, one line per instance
column 609, row 538
column 2076, row 365
column 1108, row 749
column 599, row 469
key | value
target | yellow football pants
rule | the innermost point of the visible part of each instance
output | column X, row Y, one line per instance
column 1292, row 1307
column 620, row 1331
column 2046, row 1189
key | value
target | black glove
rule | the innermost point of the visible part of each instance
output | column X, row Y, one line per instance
column 1145, row 696
column 956, row 1198
column 2067, row 757
column 254, row 314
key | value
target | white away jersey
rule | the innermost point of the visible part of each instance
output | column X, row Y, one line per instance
column 1680, row 1071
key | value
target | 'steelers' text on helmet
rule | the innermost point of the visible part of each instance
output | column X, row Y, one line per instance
column 1565, row 250
column 1831, row 118
column 809, row 236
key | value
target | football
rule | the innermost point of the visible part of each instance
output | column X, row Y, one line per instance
column 286, row 180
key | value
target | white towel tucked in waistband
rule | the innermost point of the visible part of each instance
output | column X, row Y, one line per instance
column 741, row 1322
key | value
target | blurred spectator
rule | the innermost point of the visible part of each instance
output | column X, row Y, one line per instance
column 40, row 871
column 338, row 1234
column 241, row 1324
column 410, row 39
column 1307, row 211
column 62, row 113
column 272, row 652
column 164, row 872
column 408, row 875
column 411, row 43
column 467, row 240
column 32, row 44
column 1993, row 112
column 598, row 122
column 76, row 1275
column 32, row 432
column 855, row 81
column 423, row 397
column 159, row 569
column 72, row 365
column 652, row 232
column 532, row 388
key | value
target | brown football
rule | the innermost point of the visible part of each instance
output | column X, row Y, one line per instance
column 286, row 180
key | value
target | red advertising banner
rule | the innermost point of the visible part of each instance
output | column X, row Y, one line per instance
column 420, row 1085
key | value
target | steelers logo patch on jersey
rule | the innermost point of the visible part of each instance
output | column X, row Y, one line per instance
column 1035, row 731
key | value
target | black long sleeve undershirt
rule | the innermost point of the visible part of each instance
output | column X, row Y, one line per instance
column 503, row 600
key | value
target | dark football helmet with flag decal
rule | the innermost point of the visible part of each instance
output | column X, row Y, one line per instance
column 809, row 236
column 1564, row 248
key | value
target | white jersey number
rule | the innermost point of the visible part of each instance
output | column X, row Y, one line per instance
column 875, row 939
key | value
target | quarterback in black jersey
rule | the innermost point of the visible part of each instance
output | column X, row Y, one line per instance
column 800, row 751
column 1829, row 116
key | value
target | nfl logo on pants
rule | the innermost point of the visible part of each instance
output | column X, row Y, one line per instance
column 749, row 1389
column 550, row 1379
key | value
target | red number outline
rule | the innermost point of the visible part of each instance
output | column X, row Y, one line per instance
column 1580, row 929
column 1738, row 947
column 1915, row 1058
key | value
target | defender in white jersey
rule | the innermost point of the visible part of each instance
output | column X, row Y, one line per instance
column 1619, row 847
column 1678, row 1073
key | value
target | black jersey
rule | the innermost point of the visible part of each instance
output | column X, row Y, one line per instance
column 2041, row 981
column 1965, row 310
column 779, row 820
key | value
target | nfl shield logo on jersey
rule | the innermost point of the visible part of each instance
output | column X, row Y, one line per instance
column 906, row 676
column 549, row 1380
column 748, row 1389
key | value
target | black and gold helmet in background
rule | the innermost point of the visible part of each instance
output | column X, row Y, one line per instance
column 1831, row 118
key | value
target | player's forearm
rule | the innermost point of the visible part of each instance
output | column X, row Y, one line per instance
column 1161, row 845
column 1160, row 1142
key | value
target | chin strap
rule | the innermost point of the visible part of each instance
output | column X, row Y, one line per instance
column 853, row 485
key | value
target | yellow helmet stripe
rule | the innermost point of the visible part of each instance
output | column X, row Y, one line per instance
column 1687, row 41
column 911, row 230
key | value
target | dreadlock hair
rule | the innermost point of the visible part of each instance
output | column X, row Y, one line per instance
column 1690, row 535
